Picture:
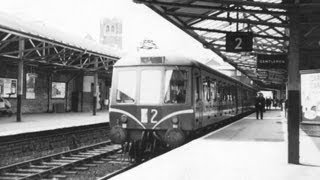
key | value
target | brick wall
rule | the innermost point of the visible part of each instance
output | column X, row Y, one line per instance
column 43, row 101
column 39, row 104
column 34, row 145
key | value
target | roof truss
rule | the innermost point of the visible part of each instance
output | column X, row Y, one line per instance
column 208, row 21
column 39, row 51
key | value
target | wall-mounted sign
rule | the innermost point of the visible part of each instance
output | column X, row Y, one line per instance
column 310, row 96
column 30, row 85
column 239, row 41
column 262, row 73
column 266, row 61
column 58, row 90
column 8, row 87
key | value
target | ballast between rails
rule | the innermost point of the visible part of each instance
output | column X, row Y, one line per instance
column 49, row 165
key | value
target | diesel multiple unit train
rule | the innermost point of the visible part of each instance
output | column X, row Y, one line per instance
column 165, row 98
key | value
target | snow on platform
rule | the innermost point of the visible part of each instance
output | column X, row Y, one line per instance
column 249, row 149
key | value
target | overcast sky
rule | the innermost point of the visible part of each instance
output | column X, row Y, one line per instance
column 82, row 17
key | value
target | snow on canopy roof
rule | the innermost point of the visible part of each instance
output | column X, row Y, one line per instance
column 34, row 30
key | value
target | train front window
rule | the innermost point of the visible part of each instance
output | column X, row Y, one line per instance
column 126, row 90
column 175, row 86
column 150, row 86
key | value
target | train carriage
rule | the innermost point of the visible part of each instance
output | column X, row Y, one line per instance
column 164, row 97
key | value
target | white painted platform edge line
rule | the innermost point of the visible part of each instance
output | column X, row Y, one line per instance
column 205, row 136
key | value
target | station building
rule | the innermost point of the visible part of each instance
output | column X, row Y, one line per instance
column 58, row 70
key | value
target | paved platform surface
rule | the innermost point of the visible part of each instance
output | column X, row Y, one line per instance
column 249, row 149
column 49, row 121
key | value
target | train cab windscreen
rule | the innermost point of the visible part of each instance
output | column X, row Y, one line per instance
column 175, row 86
column 154, row 86
column 126, row 89
column 150, row 86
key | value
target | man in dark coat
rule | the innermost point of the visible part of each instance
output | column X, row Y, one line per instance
column 260, row 103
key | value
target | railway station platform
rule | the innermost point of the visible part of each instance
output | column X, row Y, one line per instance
column 49, row 121
column 248, row 149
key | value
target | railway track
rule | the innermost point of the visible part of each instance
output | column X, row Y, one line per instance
column 62, row 165
column 27, row 146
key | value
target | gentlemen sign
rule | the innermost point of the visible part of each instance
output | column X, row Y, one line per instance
column 265, row 61
column 239, row 41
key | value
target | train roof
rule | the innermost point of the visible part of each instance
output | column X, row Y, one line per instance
column 166, row 58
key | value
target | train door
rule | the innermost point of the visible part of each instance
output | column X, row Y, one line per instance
column 198, row 101
column 236, row 89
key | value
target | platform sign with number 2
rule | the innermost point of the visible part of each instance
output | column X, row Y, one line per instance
column 239, row 41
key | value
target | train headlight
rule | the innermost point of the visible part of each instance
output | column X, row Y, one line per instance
column 124, row 119
column 175, row 120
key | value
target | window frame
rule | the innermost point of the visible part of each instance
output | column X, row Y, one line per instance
column 161, row 97
column 188, row 81
column 117, row 83
column 138, row 70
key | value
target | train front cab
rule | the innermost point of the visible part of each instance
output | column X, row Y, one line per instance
column 151, row 100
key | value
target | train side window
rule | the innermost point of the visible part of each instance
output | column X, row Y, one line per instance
column 206, row 89
column 231, row 94
column 213, row 91
column 219, row 92
column 126, row 90
column 223, row 93
column 228, row 92
column 175, row 86
column 234, row 93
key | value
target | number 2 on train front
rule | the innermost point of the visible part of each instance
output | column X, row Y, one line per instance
column 144, row 115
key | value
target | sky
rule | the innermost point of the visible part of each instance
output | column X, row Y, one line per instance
column 82, row 17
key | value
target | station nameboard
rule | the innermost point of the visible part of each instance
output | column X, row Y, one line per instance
column 239, row 41
column 265, row 61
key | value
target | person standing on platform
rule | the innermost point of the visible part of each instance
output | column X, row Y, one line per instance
column 268, row 103
column 259, row 104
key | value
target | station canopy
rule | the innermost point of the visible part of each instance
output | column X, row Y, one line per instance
column 49, row 48
column 208, row 21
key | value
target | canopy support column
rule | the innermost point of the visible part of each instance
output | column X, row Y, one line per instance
column 95, row 83
column 20, row 79
column 294, row 102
